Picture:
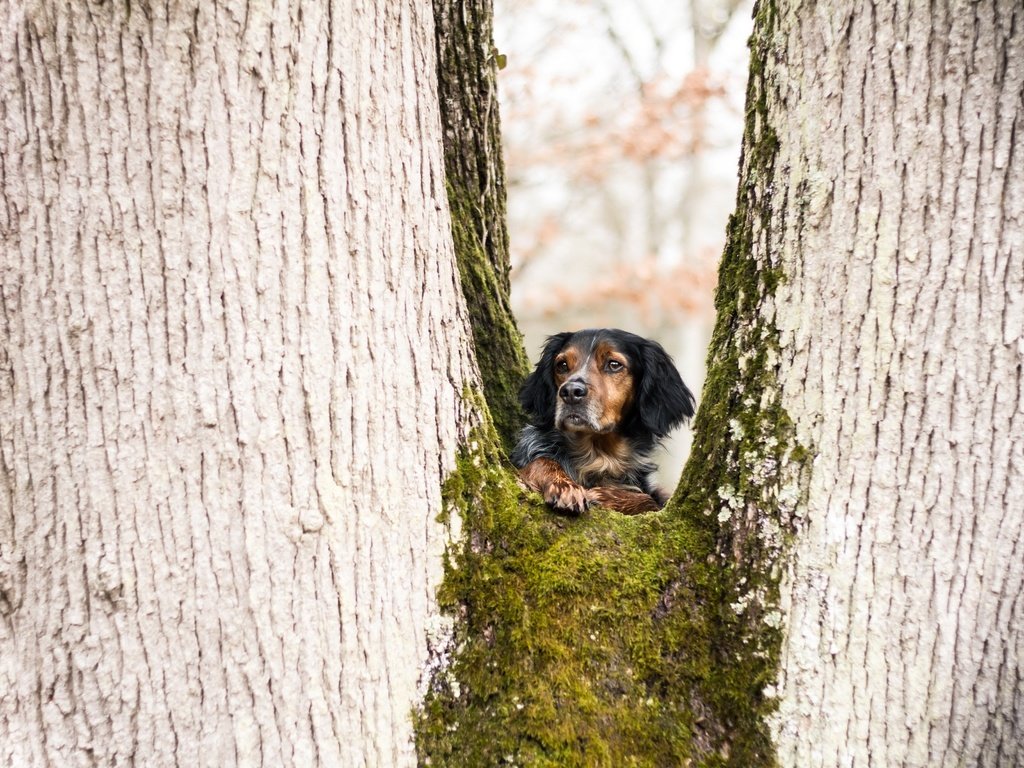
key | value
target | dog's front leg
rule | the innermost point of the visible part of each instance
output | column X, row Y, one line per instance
column 622, row 500
column 547, row 477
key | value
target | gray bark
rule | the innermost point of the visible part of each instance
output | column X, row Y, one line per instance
column 235, row 350
column 898, row 220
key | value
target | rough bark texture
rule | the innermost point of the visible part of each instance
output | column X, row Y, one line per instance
column 610, row 640
column 234, row 358
column 235, row 371
column 475, row 173
column 896, row 205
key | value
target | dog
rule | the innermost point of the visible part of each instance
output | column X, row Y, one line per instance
column 599, row 403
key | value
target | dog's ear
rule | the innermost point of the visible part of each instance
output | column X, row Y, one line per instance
column 537, row 395
column 664, row 401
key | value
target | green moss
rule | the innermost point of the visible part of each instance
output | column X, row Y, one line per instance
column 475, row 179
column 496, row 338
column 602, row 640
column 607, row 640
column 747, row 471
column 577, row 641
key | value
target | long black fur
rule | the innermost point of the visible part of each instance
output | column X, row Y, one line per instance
column 661, row 403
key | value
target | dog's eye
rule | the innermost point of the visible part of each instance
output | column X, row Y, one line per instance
column 561, row 366
column 613, row 366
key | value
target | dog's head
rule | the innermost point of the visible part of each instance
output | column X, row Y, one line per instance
column 606, row 380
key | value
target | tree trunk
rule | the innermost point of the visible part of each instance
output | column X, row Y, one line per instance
column 475, row 173
column 233, row 376
column 897, row 219
column 859, row 435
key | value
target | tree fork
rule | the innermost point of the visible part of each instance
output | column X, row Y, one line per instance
column 611, row 640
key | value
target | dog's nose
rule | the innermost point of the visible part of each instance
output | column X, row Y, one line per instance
column 573, row 391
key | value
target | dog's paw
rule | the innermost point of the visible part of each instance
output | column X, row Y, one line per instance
column 567, row 497
column 622, row 500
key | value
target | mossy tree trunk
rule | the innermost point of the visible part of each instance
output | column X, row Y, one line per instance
column 475, row 174
column 612, row 640
column 856, row 477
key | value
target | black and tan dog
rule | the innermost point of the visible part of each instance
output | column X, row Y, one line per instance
column 599, row 402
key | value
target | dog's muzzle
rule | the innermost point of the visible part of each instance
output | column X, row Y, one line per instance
column 575, row 412
column 573, row 391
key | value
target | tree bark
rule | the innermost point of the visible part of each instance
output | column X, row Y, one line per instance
column 891, row 206
column 232, row 382
column 239, row 367
column 475, row 174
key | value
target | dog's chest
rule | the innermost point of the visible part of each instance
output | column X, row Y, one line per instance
column 597, row 463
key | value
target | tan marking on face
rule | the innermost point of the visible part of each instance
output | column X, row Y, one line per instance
column 606, row 372
column 565, row 364
column 614, row 385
